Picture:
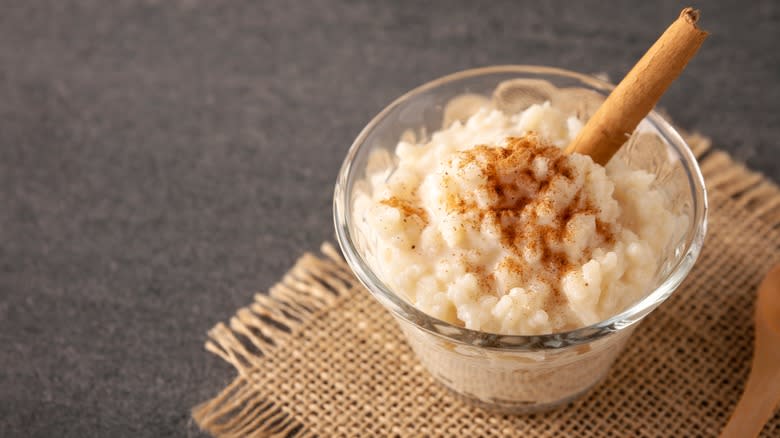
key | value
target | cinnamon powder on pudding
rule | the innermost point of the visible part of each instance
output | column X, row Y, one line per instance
column 405, row 207
column 520, row 192
column 520, row 180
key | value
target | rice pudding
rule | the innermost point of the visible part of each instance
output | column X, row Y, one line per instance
column 488, row 225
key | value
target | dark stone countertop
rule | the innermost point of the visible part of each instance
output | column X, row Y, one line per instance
column 160, row 161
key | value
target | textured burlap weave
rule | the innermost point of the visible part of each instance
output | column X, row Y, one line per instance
column 317, row 356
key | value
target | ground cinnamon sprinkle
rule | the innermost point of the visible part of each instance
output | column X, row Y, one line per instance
column 405, row 207
column 518, row 195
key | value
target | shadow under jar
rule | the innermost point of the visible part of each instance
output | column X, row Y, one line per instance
column 510, row 373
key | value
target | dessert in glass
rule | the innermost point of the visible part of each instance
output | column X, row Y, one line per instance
column 516, row 271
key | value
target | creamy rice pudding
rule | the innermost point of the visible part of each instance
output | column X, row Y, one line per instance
column 488, row 225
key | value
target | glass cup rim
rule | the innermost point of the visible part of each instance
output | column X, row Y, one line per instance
column 400, row 307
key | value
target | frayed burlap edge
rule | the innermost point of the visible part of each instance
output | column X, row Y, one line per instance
column 315, row 285
column 312, row 286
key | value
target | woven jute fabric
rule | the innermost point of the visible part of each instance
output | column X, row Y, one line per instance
column 317, row 356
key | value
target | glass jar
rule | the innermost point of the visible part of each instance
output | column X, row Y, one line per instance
column 508, row 373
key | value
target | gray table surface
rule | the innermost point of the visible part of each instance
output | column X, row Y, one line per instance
column 160, row 161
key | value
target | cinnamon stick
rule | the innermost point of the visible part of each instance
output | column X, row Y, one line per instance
column 639, row 91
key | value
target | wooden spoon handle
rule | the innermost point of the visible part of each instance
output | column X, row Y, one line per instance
column 761, row 396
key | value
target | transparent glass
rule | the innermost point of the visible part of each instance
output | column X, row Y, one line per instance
column 507, row 373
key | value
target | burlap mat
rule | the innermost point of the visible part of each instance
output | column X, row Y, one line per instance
column 318, row 356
